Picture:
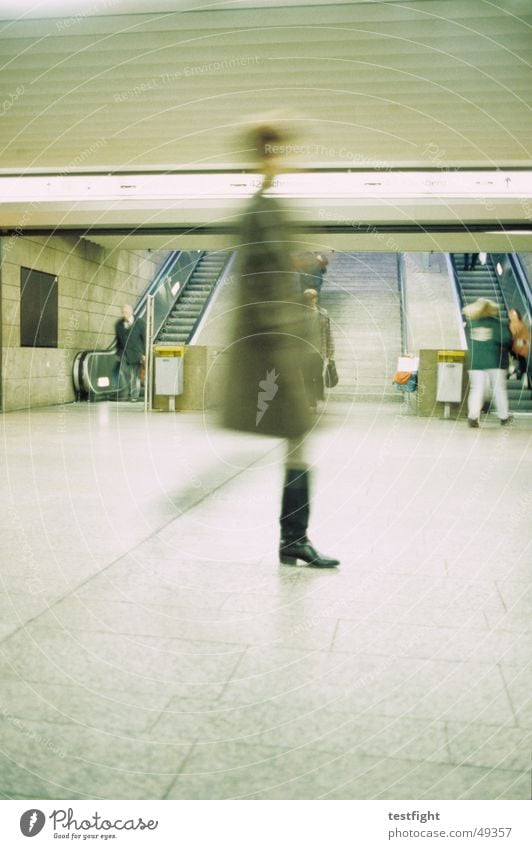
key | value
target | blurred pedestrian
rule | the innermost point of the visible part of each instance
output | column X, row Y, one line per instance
column 264, row 392
column 311, row 273
column 489, row 345
column 321, row 347
column 323, row 263
column 130, row 350
column 470, row 261
column 520, row 344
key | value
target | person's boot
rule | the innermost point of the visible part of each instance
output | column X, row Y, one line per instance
column 295, row 510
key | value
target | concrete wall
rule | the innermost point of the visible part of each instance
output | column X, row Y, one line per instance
column 93, row 283
column 433, row 317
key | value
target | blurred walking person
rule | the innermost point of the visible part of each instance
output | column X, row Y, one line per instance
column 520, row 344
column 264, row 392
column 130, row 350
column 470, row 261
column 489, row 341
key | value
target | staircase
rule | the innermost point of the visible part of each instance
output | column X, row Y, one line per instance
column 360, row 293
column 183, row 318
column 483, row 282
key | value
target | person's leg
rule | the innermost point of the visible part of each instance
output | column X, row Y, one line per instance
column 123, row 380
column 128, row 376
column 318, row 380
column 497, row 378
column 295, row 511
column 315, row 378
column 474, row 258
column 476, row 394
column 135, row 382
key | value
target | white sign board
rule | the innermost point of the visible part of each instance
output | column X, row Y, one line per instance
column 168, row 375
column 449, row 387
column 410, row 364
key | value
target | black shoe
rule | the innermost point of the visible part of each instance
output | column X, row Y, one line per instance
column 472, row 422
column 507, row 421
column 294, row 519
column 291, row 552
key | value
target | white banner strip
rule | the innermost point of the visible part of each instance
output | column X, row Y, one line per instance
column 267, row 824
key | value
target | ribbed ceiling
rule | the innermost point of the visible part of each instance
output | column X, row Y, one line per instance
column 434, row 83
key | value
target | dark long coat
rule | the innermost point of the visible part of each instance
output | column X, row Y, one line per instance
column 263, row 388
column 131, row 341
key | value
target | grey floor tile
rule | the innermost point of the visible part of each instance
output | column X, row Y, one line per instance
column 518, row 680
column 490, row 746
column 458, row 643
column 293, row 727
column 108, row 710
column 235, row 770
column 209, row 624
column 112, row 661
column 396, row 687
column 65, row 761
column 407, row 780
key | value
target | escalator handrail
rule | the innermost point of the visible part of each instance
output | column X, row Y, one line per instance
column 402, row 302
column 155, row 283
column 190, row 269
column 457, row 294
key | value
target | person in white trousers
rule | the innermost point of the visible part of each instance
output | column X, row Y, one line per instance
column 489, row 341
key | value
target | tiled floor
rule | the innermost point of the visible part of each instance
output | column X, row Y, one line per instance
column 152, row 647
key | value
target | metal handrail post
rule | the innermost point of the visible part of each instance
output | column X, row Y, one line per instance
column 148, row 355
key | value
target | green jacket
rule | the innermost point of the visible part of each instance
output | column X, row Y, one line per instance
column 489, row 342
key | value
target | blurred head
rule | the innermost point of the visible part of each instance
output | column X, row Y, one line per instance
column 514, row 315
column 310, row 296
column 269, row 143
column 127, row 312
column 482, row 308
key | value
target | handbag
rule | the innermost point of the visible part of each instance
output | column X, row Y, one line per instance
column 331, row 375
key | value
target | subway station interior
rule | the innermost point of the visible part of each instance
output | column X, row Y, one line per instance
column 153, row 645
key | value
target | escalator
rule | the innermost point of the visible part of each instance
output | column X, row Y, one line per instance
column 502, row 279
column 181, row 292
column 187, row 311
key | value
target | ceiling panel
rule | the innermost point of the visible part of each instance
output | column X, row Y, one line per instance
column 419, row 83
